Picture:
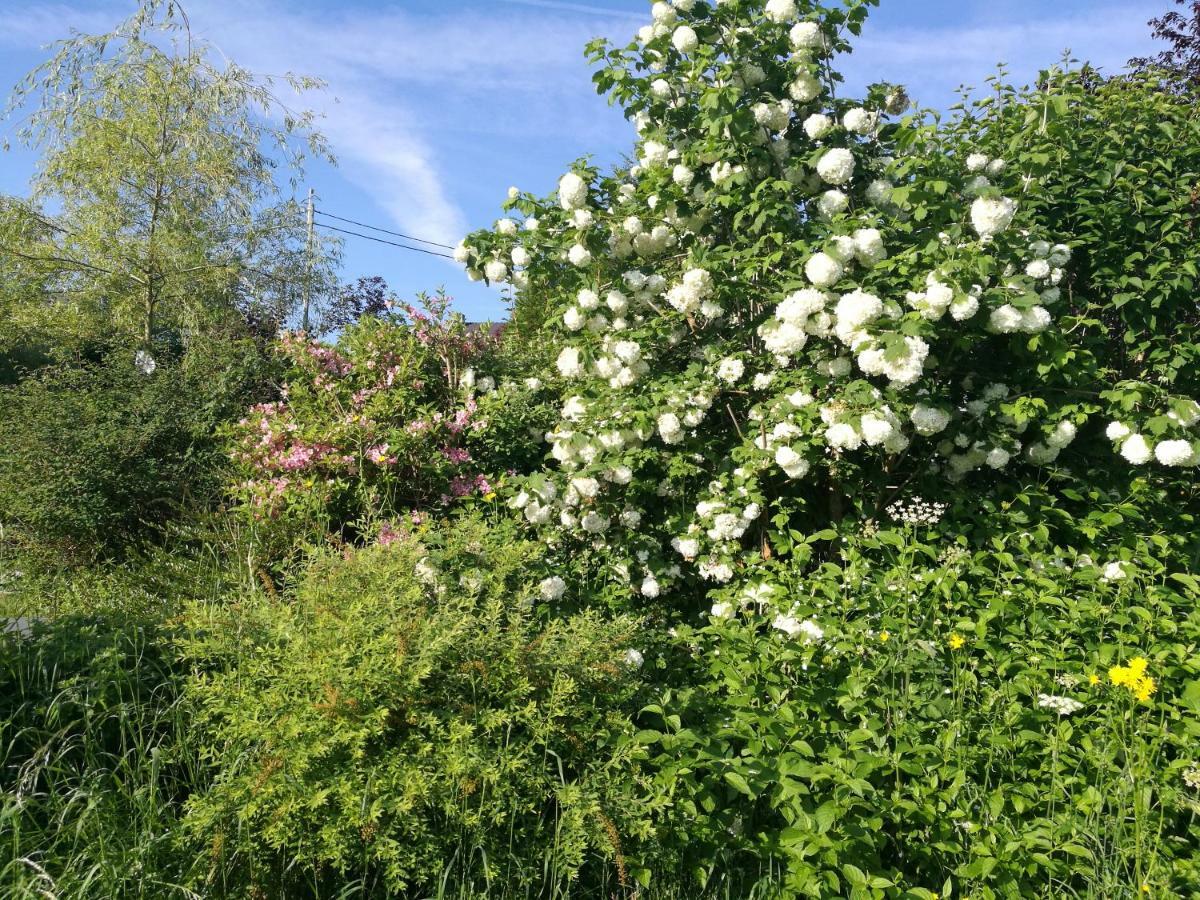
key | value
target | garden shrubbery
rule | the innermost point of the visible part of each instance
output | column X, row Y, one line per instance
column 825, row 526
column 401, row 719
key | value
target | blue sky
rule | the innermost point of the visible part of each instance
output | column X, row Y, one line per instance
column 436, row 107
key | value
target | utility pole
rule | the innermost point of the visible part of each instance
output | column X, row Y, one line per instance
column 308, row 272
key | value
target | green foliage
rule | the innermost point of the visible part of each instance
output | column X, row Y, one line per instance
column 1117, row 167
column 96, row 455
column 407, row 412
column 194, row 233
column 94, row 761
column 399, row 720
column 912, row 748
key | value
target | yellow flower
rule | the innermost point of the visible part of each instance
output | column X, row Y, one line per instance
column 1133, row 677
column 1093, row 679
column 883, row 636
column 1144, row 688
column 956, row 641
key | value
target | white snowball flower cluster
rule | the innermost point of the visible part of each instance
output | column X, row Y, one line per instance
column 836, row 166
column 992, row 217
column 684, row 39
column 781, row 11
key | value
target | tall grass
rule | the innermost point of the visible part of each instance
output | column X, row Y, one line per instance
column 94, row 762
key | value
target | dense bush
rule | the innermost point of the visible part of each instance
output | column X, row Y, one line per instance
column 400, row 721
column 927, row 717
column 408, row 411
column 97, row 454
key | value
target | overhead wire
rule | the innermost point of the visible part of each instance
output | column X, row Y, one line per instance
column 383, row 241
column 407, row 237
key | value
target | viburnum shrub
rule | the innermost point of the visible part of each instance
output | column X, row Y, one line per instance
column 789, row 306
column 392, row 419
column 793, row 317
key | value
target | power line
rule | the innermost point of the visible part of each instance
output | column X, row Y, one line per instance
column 382, row 241
column 407, row 237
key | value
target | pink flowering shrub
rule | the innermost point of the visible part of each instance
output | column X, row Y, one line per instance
column 389, row 421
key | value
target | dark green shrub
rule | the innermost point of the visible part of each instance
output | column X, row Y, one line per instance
column 400, row 721
column 96, row 455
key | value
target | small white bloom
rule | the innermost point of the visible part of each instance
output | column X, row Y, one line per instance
column 1136, row 450
column 553, row 588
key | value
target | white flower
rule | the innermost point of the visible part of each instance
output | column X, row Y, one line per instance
column 976, row 162
column 831, row 203
column 579, row 255
column 842, row 436
column 1114, row 571
column 572, row 191
column 144, row 362
column 1175, row 453
column 721, row 610
column 520, row 256
column 730, row 370
column 868, row 246
column 793, row 464
column 650, row 587
column 1117, row 431
column 781, row 10
column 879, row 192
column 804, row 88
column 823, row 270
column 1064, row 434
column 594, row 523
column 569, row 363
column 817, row 126
column 998, row 458
column 836, row 166
column 655, row 153
column 875, row 429
column 532, row 224
column 1136, row 450
column 929, row 420
column 860, row 121
column 634, row 659
column 553, row 588
column 682, row 175
column 495, row 270
column 660, row 88
column 663, row 13
column 685, row 39
column 462, row 253
column 1064, row 706
column 962, row 308
column 808, row 630
column 806, row 36
column 1038, row 269
column 670, row 428
column 1005, row 319
column 991, row 217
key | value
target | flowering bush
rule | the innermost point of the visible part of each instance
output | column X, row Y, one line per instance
column 396, row 418
column 788, row 306
column 923, row 717
column 791, row 317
